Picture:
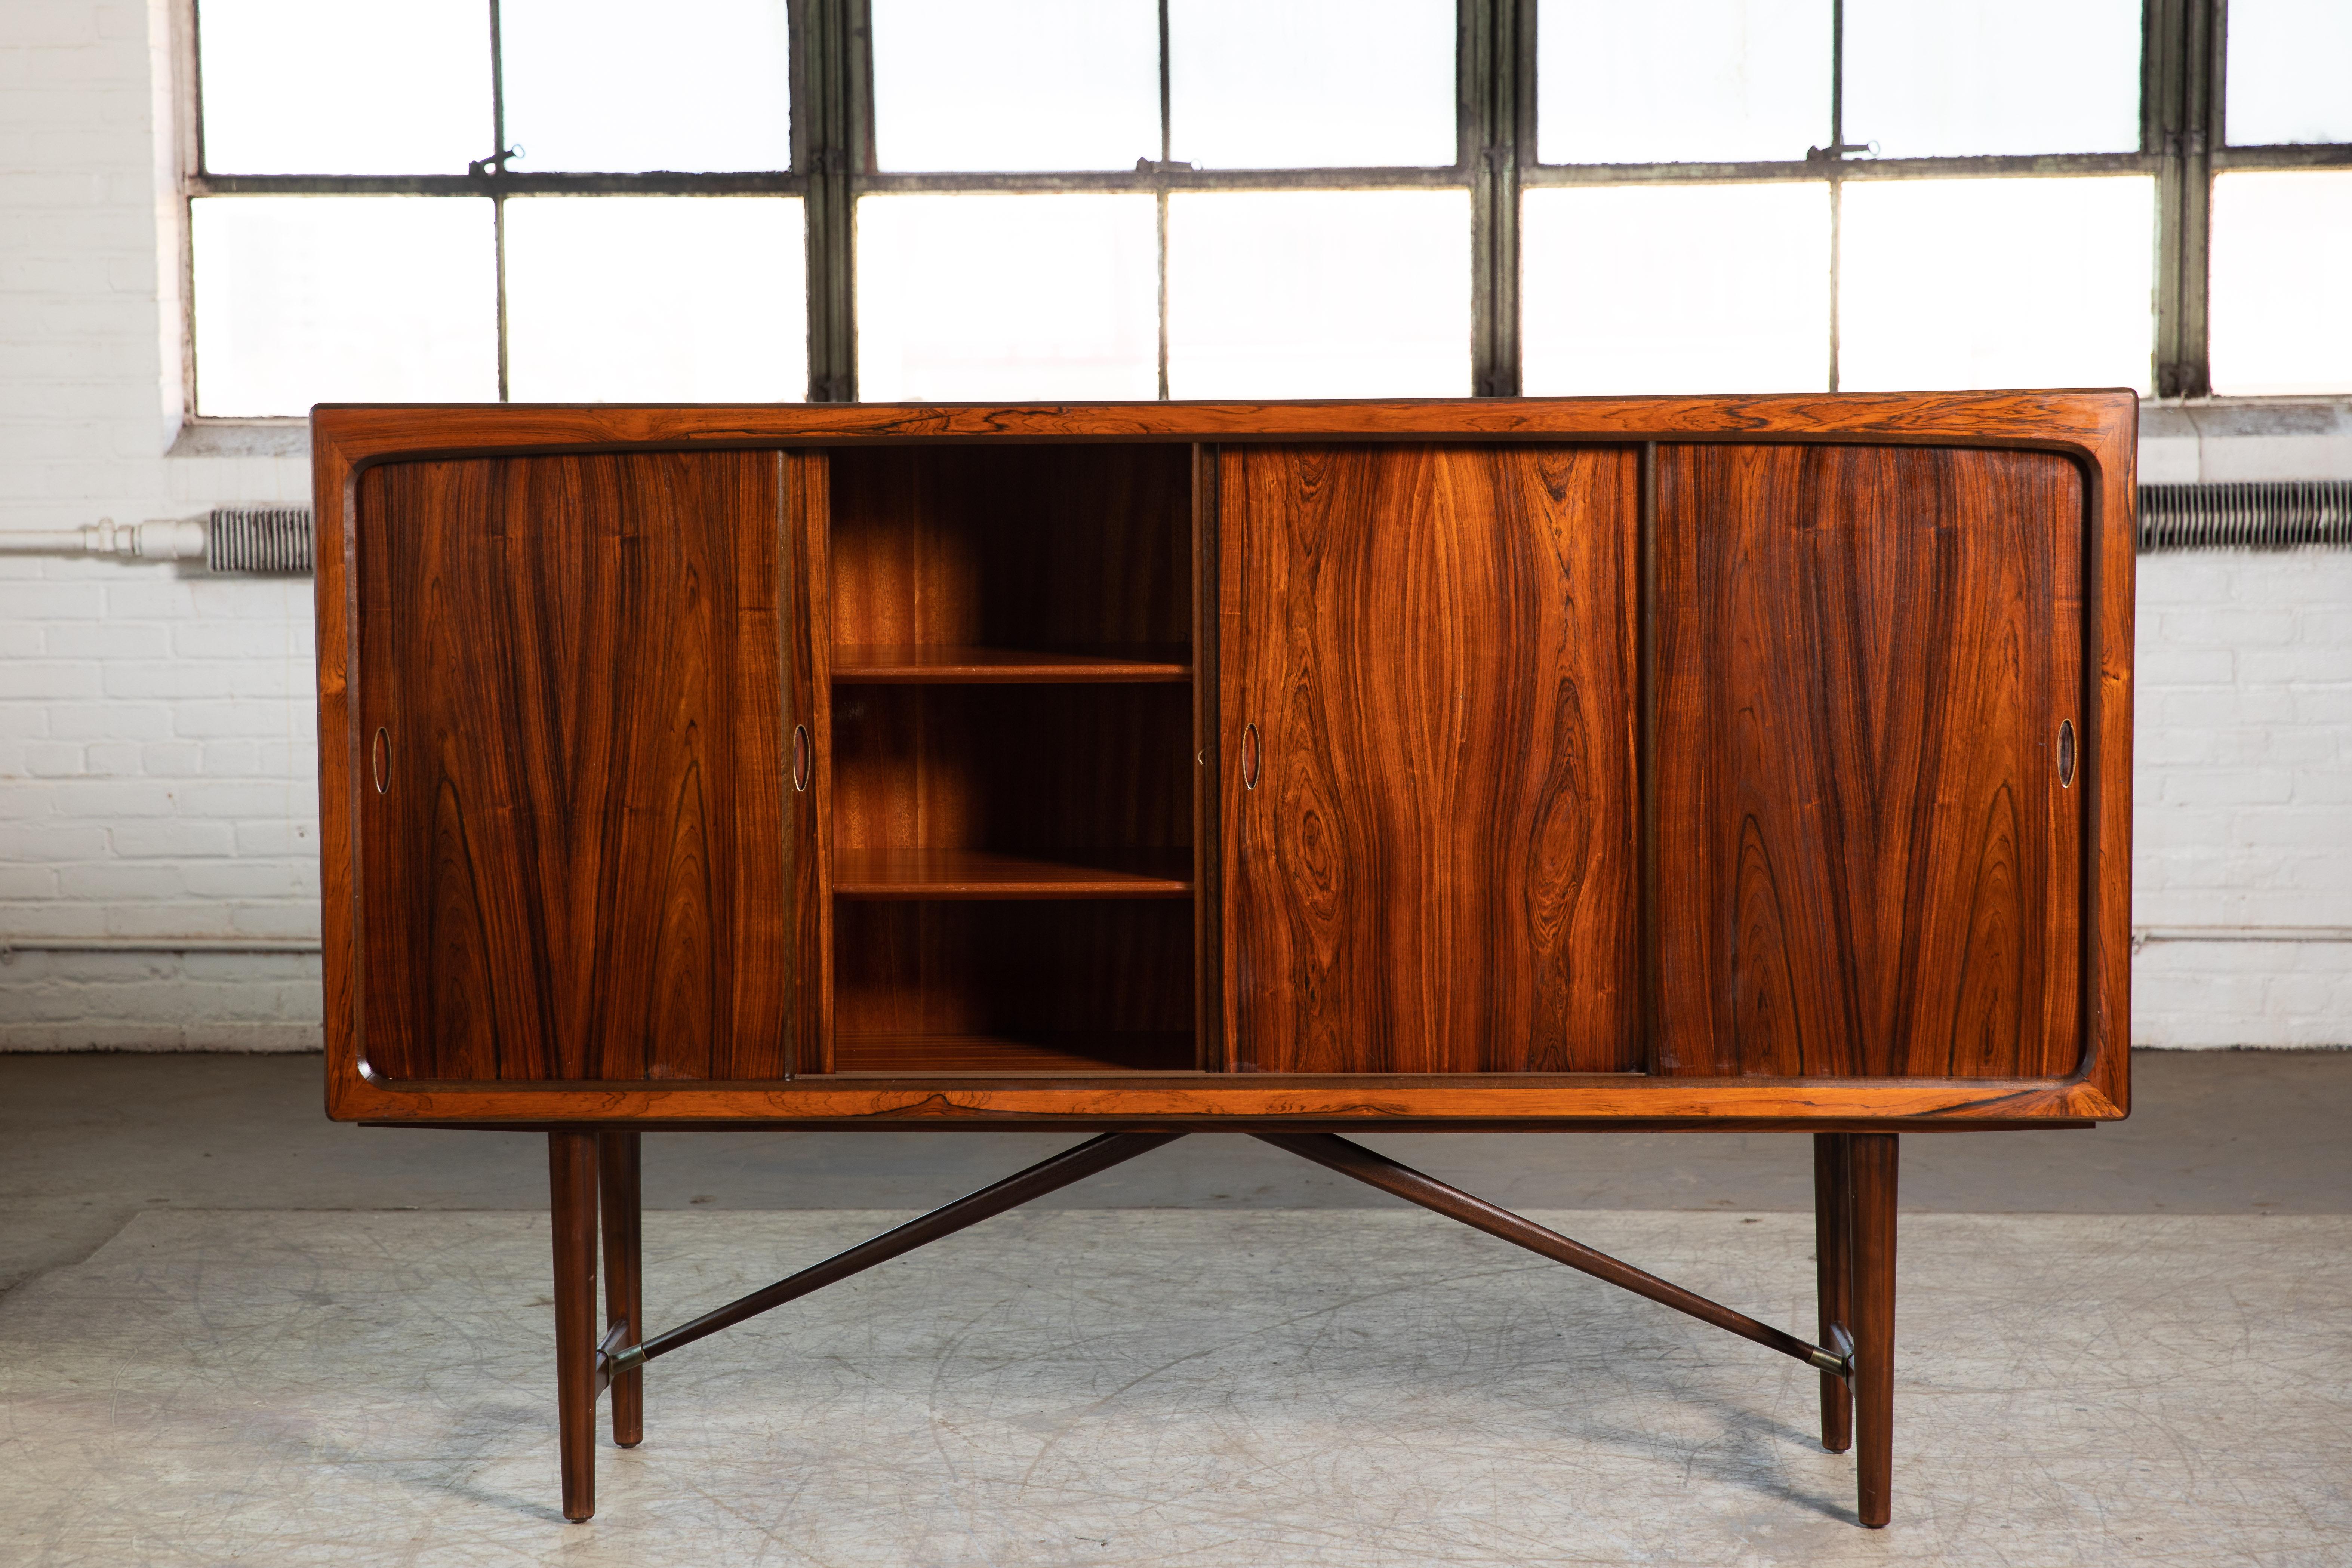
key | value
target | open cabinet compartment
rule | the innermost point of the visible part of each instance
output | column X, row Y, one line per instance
column 1012, row 562
column 1012, row 787
column 1042, row 986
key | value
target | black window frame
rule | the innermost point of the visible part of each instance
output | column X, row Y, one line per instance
column 2182, row 145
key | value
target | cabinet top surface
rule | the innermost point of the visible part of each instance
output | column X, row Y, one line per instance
column 2099, row 422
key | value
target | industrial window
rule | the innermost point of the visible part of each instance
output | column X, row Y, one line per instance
column 468, row 200
column 1010, row 199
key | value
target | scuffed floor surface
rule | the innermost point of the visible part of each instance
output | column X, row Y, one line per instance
column 1158, row 1386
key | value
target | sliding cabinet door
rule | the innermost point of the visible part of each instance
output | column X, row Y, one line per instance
column 576, row 815
column 1427, row 739
column 1868, row 832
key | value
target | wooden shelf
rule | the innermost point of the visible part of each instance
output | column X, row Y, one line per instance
column 918, row 1055
column 1025, row 874
column 923, row 663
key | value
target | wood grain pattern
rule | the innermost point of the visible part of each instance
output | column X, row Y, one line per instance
column 1024, row 968
column 1873, row 1159
column 620, row 1199
column 807, row 637
column 571, row 1214
column 1867, row 863
column 2102, row 425
column 954, row 663
column 578, row 868
column 1208, row 768
column 1015, row 547
column 1016, row 767
column 1497, row 1102
column 1038, row 1054
column 1833, row 1276
column 1435, row 870
column 992, row 874
column 2095, row 430
column 1030, row 971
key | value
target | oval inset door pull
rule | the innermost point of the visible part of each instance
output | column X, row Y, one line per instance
column 2065, row 754
column 380, row 760
column 800, row 758
column 1249, row 756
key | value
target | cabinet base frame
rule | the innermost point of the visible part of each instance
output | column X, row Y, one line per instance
column 1854, row 1186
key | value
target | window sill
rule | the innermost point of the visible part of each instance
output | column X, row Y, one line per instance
column 242, row 439
column 2214, row 440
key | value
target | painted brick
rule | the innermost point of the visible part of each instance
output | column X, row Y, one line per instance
column 2234, row 787
column 2223, row 626
column 277, row 640
column 177, row 838
column 24, row 720
column 171, row 758
column 208, row 721
column 114, row 881
column 110, row 721
column 239, row 798
column 112, row 640
column 281, row 838
column 57, row 842
column 52, row 917
column 28, row 882
column 55, row 759
column 2186, row 665
column 109, row 800
column 207, row 677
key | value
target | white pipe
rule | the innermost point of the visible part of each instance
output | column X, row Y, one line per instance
column 2142, row 935
column 160, row 538
column 12, row 945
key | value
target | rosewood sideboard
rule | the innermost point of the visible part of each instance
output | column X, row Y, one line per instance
column 1288, row 769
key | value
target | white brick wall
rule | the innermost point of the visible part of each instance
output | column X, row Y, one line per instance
column 2242, row 802
column 157, row 751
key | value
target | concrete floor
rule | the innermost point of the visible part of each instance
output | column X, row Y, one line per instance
column 87, row 1141
column 1149, row 1387
column 2130, row 1345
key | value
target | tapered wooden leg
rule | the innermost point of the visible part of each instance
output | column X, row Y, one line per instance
column 1875, row 1157
column 1834, row 1250
column 616, row 1169
column 572, row 1193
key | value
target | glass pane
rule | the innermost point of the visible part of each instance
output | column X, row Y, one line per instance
column 1992, row 75
column 1016, row 84
column 1624, row 289
column 656, row 299
column 615, row 86
column 296, row 87
column 985, row 298
column 303, row 299
column 2279, row 315
column 1690, row 82
column 1319, row 294
column 1963, row 284
column 2290, row 66
column 1302, row 84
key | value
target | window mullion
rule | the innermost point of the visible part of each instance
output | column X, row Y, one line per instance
column 829, row 109
column 1836, row 160
column 2180, row 120
column 1497, row 48
column 498, row 198
column 1159, row 198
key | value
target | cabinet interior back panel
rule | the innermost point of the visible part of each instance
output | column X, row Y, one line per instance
column 1429, row 652
column 576, row 864
column 1039, row 547
column 1867, row 861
